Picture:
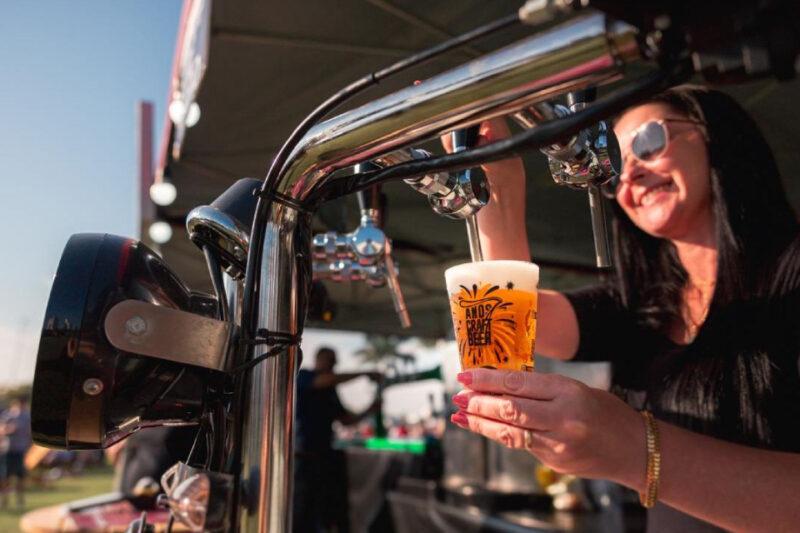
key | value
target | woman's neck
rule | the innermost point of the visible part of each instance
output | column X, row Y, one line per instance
column 699, row 259
column 697, row 251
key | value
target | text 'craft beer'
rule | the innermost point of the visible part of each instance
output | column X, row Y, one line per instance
column 493, row 304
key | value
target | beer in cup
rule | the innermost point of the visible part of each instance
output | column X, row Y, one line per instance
column 493, row 304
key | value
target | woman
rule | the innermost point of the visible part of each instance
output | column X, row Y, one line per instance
column 699, row 324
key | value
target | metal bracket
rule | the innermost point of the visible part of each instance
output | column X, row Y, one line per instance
column 169, row 334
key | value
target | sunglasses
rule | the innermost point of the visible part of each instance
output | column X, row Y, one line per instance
column 649, row 142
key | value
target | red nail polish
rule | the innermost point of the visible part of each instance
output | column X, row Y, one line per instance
column 459, row 419
column 461, row 400
column 465, row 378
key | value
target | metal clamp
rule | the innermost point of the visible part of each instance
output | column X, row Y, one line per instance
column 170, row 334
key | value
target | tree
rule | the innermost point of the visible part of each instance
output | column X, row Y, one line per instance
column 382, row 350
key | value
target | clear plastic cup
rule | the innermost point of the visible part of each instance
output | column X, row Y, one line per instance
column 493, row 304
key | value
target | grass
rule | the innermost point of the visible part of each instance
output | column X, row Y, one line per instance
column 93, row 481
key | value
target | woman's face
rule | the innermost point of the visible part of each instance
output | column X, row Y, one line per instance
column 670, row 195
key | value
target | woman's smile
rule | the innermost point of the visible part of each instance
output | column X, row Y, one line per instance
column 655, row 194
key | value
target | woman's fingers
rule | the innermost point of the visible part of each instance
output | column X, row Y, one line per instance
column 514, row 410
column 534, row 385
column 493, row 130
column 511, row 436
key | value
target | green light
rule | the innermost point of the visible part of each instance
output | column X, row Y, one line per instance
column 415, row 446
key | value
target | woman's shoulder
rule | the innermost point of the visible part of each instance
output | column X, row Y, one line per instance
column 595, row 296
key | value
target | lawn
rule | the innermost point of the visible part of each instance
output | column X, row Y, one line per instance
column 93, row 481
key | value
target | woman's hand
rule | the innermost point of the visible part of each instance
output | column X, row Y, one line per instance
column 498, row 173
column 568, row 426
column 501, row 223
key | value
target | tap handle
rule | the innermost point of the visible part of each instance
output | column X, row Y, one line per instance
column 393, row 282
column 369, row 202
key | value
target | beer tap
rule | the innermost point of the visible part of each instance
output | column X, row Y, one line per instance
column 472, row 185
column 459, row 195
column 585, row 161
column 365, row 254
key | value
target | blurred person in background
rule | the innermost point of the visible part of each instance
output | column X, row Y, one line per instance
column 4, row 442
column 320, row 477
column 15, row 425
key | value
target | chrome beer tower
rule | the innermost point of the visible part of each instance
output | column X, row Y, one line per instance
column 588, row 51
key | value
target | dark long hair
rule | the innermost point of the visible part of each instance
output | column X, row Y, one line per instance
column 721, row 384
column 754, row 221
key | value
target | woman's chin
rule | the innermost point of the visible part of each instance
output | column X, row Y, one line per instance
column 656, row 220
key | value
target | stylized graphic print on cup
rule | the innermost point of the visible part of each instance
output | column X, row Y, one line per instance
column 493, row 304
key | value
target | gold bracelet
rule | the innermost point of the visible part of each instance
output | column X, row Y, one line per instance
column 650, row 495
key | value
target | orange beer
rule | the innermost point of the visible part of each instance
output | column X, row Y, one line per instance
column 493, row 305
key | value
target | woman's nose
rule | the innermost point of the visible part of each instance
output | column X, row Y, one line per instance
column 632, row 170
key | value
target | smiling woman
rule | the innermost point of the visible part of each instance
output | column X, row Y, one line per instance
column 664, row 187
column 698, row 322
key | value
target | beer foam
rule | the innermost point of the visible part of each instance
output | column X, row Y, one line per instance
column 521, row 274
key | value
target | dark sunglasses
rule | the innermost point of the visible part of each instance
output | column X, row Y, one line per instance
column 649, row 142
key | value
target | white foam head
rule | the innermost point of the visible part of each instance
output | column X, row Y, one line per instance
column 524, row 275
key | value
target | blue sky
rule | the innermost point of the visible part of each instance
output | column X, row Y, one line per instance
column 71, row 73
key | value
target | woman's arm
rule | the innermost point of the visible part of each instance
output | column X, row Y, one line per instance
column 733, row 486
column 501, row 225
column 591, row 433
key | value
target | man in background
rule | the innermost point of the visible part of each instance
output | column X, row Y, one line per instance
column 320, row 481
column 15, row 424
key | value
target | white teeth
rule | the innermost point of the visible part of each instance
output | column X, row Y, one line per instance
column 650, row 196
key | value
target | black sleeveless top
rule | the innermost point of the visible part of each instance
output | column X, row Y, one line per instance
column 739, row 380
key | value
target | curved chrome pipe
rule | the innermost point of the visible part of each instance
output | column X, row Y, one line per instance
column 590, row 50
column 587, row 50
column 224, row 231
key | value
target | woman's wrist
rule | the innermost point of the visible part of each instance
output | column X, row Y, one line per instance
column 649, row 495
column 632, row 463
column 508, row 174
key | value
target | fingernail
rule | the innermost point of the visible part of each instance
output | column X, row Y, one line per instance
column 465, row 378
column 461, row 400
column 459, row 419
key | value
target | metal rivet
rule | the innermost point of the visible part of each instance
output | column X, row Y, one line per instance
column 136, row 325
column 92, row 386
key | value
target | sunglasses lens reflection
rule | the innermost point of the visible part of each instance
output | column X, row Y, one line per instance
column 649, row 141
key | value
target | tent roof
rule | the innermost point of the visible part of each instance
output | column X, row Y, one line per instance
column 270, row 63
